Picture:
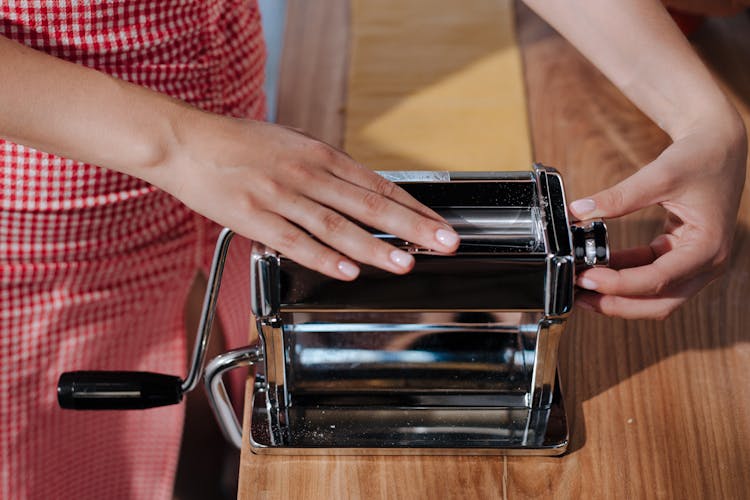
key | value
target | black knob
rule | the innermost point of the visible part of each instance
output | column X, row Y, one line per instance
column 92, row 390
column 590, row 244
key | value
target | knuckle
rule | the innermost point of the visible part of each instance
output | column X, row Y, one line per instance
column 272, row 187
column 659, row 285
column 289, row 239
column 378, row 252
column 325, row 259
column 374, row 202
column 424, row 226
column 323, row 152
column 300, row 171
column 333, row 222
column 659, row 282
column 249, row 204
column 385, row 187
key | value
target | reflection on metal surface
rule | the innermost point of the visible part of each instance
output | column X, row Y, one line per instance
column 372, row 428
column 447, row 361
column 218, row 398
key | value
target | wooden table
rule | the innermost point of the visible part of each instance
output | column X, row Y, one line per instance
column 656, row 409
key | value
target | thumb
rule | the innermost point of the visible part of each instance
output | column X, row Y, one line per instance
column 646, row 187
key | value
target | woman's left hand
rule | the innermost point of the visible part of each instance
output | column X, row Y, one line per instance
column 699, row 181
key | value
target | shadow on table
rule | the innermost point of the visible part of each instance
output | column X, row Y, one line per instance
column 597, row 353
column 714, row 319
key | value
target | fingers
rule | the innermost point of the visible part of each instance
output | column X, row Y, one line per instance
column 367, row 179
column 340, row 233
column 313, row 200
column 382, row 212
column 629, row 307
column 297, row 245
column 697, row 180
column 315, row 189
column 647, row 186
column 652, row 279
column 647, row 282
column 644, row 307
column 336, row 181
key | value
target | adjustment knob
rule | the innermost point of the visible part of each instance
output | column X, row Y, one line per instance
column 590, row 244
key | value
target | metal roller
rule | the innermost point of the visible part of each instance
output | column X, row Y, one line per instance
column 522, row 226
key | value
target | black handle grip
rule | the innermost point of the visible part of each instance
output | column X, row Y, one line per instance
column 92, row 390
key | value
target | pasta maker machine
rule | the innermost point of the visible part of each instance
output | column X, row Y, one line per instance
column 457, row 357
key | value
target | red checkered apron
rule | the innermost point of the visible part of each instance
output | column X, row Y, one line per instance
column 95, row 265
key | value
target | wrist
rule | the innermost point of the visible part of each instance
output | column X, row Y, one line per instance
column 175, row 149
column 198, row 142
column 718, row 117
column 723, row 134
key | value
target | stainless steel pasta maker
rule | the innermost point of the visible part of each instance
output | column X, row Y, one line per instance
column 457, row 357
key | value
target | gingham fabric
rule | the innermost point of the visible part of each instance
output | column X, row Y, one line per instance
column 95, row 265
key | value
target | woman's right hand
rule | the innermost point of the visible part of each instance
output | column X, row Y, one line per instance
column 266, row 182
column 295, row 194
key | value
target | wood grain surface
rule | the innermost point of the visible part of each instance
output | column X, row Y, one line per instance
column 656, row 409
column 436, row 85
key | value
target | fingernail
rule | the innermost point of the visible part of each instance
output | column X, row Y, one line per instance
column 348, row 269
column 446, row 238
column 402, row 259
column 660, row 244
column 586, row 283
column 581, row 207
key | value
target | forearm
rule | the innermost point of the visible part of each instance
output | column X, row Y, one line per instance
column 83, row 114
column 266, row 182
column 638, row 47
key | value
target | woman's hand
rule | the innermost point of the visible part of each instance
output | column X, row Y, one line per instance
column 699, row 181
column 295, row 194
column 266, row 182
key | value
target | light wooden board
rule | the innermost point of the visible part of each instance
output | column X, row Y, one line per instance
column 436, row 85
column 657, row 410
